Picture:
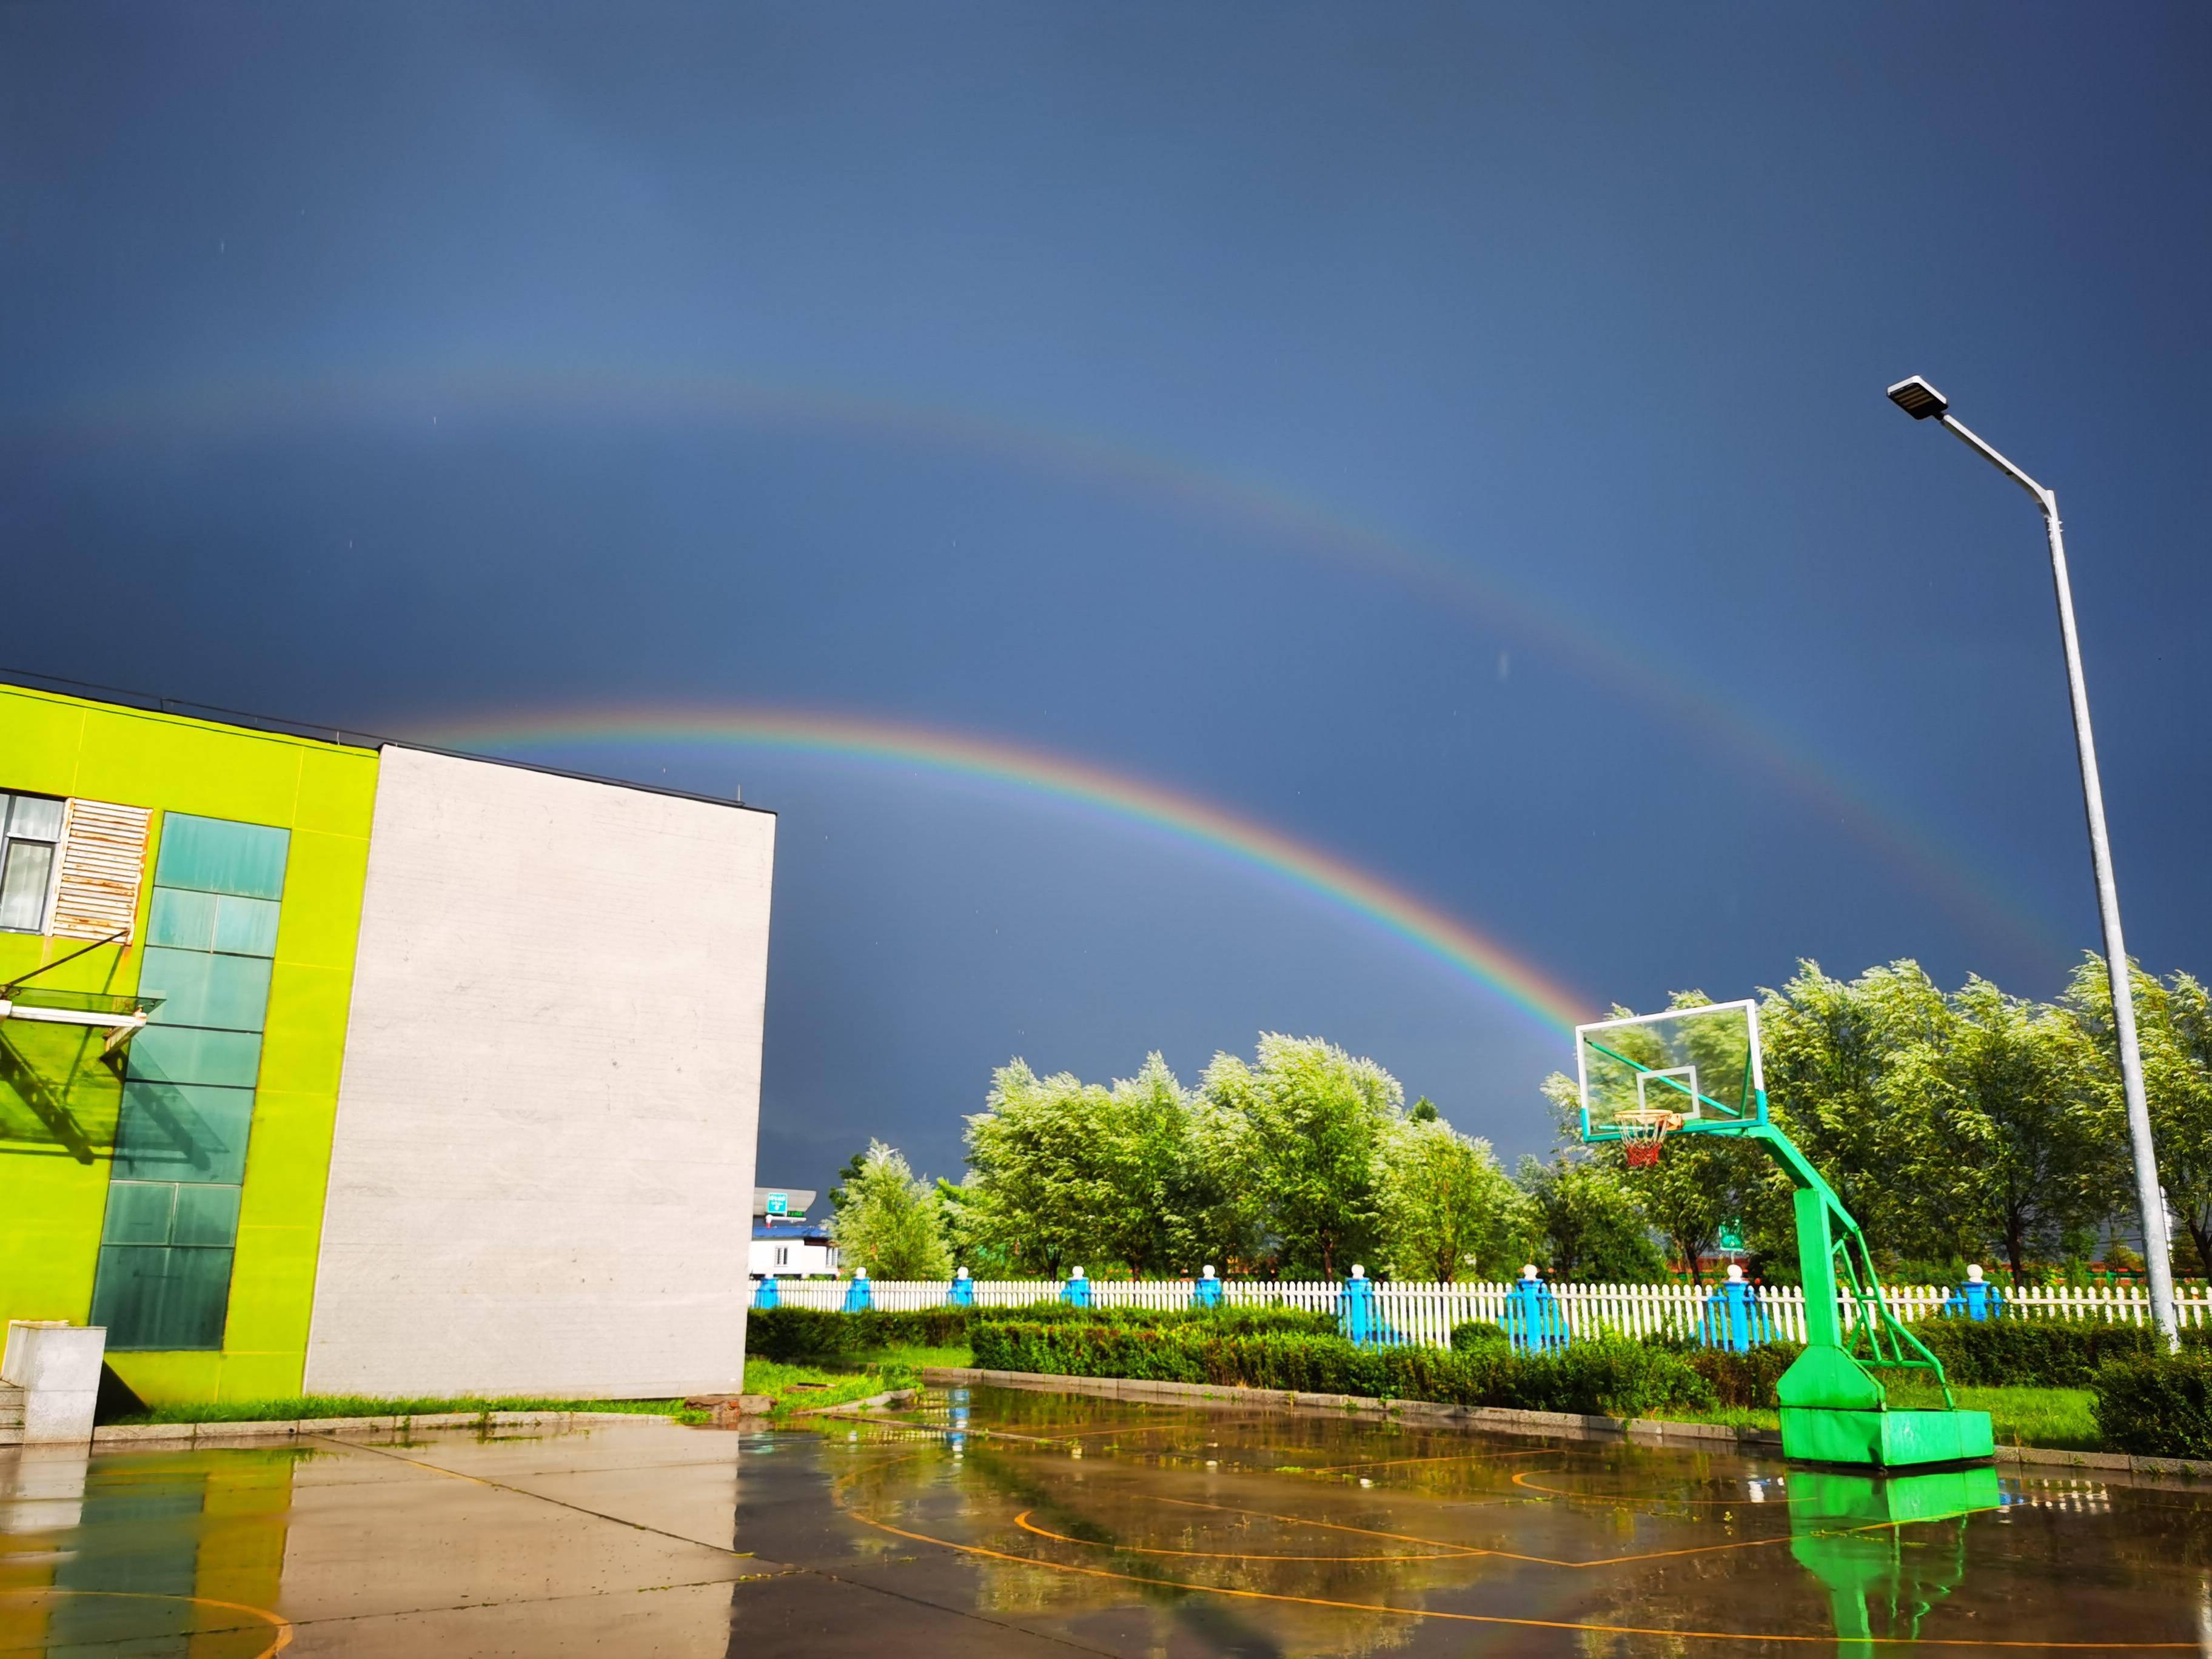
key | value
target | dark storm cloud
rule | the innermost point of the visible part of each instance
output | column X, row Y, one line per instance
column 363, row 363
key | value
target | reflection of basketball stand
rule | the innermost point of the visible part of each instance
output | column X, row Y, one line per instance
column 1845, row 1531
column 1639, row 1083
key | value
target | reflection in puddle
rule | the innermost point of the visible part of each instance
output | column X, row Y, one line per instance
column 1311, row 1534
column 1001, row 1522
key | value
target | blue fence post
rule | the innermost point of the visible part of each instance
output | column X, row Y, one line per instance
column 1532, row 1314
column 1977, row 1299
column 1077, row 1292
column 963, row 1290
column 1207, row 1293
column 1355, row 1307
column 859, row 1297
column 766, row 1296
column 1730, row 1315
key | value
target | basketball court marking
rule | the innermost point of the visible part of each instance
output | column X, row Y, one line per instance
column 1522, row 1481
column 1504, row 1554
column 1384, row 1610
column 1447, row 1457
column 1024, row 1522
column 281, row 1625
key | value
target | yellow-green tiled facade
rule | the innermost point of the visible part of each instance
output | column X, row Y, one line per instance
column 55, row 1177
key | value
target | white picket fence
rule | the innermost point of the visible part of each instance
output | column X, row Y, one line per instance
column 1422, row 1314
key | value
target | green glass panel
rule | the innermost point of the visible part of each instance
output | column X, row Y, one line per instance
column 217, row 856
column 163, row 1299
column 205, row 1215
column 182, row 1131
column 182, row 918
column 224, row 993
column 247, row 926
column 138, row 1212
column 178, row 1053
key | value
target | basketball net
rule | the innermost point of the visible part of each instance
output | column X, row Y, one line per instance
column 1643, row 1132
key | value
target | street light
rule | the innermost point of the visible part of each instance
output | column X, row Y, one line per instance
column 1922, row 402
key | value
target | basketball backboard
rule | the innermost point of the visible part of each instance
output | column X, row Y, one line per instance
column 1701, row 1065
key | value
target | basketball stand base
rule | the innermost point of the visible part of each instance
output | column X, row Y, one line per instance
column 1885, row 1439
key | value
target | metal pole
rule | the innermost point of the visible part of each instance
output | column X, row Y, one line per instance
column 2150, row 1194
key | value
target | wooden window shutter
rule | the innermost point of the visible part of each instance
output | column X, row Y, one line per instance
column 103, row 860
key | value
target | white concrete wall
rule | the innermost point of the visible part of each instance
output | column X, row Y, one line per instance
column 546, row 1125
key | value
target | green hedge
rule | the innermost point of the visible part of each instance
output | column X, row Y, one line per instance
column 1611, row 1377
column 1745, row 1378
column 808, row 1336
column 1240, row 1320
column 2050, row 1353
column 2157, row 1405
column 1477, row 1334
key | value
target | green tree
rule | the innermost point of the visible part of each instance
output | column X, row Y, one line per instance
column 2174, row 1031
column 1033, row 1191
column 2017, row 1155
column 1450, row 1211
column 890, row 1223
column 1317, row 1120
column 847, row 1173
column 1830, row 1045
column 1140, row 1161
column 1588, row 1225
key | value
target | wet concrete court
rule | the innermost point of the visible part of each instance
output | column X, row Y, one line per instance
column 1005, row 1521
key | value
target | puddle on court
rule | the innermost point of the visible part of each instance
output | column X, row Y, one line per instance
column 1004, row 1522
column 1212, row 1530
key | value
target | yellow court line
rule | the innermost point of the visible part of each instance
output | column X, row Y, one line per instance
column 1501, row 1619
column 1454, row 1457
column 1539, row 1560
column 1522, row 1481
column 277, row 1621
column 1026, row 1525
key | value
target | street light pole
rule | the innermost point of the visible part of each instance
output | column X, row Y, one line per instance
column 1921, row 400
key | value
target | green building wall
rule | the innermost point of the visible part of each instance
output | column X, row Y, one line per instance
column 52, row 1204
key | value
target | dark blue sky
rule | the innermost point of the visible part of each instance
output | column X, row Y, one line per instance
column 1450, row 436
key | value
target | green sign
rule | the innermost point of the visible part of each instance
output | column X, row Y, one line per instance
column 1732, row 1236
column 779, row 1204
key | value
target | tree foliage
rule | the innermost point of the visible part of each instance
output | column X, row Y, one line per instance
column 1314, row 1120
column 1450, row 1211
column 890, row 1223
column 1965, row 1125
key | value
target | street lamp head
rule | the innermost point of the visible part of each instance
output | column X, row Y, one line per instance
column 1917, row 398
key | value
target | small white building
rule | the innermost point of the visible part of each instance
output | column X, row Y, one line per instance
column 785, row 1244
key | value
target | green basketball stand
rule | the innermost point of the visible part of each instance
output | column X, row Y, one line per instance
column 1698, row 1071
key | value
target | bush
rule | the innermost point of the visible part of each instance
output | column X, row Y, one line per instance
column 1745, row 1378
column 1478, row 1334
column 2157, row 1405
column 808, row 1336
column 1611, row 1377
column 2052, row 1353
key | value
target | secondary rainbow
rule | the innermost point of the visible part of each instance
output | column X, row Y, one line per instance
column 1185, row 818
column 457, row 391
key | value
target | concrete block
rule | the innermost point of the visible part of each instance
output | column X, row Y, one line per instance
column 57, row 1366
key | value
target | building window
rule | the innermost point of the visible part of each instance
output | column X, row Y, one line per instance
column 783, row 1255
column 168, row 1246
column 30, row 825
